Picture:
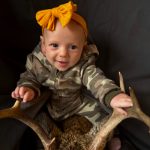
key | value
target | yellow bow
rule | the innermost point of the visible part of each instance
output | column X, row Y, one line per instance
column 46, row 18
column 65, row 12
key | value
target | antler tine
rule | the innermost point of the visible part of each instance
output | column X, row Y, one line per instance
column 15, row 112
column 16, row 104
column 136, row 111
column 121, row 82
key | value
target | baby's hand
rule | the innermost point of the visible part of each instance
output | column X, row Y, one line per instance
column 120, row 102
column 25, row 93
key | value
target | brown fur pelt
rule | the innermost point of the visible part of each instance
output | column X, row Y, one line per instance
column 70, row 134
column 75, row 135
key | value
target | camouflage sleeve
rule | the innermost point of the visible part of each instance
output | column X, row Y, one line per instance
column 28, row 78
column 95, row 81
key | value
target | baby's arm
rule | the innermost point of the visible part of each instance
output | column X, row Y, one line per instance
column 120, row 102
column 25, row 93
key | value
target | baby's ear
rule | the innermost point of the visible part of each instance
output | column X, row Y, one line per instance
column 41, row 39
column 42, row 44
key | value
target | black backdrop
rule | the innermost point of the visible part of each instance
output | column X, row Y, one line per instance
column 121, row 30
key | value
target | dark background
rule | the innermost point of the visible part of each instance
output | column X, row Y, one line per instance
column 120, row 29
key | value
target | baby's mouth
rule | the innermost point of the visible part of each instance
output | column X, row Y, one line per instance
column 62, row 63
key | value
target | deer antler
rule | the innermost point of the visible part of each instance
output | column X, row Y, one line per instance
column 102, row 136
column 100, row 140
column 16, row 113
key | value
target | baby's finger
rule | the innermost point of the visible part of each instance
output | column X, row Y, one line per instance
column 27, row 96
column 15, row 93
column 121, row 111
column 127, row 104
column 22, row 92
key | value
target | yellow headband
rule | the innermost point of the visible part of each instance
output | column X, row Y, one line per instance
column 65, row 12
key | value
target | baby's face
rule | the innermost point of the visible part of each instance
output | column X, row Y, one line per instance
column 63, row 47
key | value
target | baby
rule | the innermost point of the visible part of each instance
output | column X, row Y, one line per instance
column 65, row 64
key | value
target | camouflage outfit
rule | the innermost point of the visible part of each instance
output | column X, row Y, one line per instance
column 67, row 96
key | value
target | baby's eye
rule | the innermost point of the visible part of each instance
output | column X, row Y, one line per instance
column 73, row 47
column 53, row 45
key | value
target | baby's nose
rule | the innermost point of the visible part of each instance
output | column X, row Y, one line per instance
column 63, row 52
